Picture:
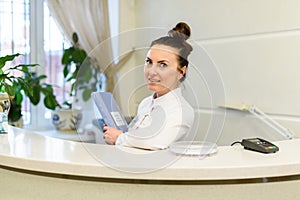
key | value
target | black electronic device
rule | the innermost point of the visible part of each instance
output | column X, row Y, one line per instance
column 259, row 145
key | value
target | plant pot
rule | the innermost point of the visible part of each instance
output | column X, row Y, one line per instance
column 18, row 123
column 66, row 119
column 4, row 102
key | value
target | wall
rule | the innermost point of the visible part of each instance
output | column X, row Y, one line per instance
column 26, row 186
column 254, row 50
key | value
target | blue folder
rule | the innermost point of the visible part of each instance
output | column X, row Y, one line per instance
column 109, row 110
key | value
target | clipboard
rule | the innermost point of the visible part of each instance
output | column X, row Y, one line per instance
column 109, row 110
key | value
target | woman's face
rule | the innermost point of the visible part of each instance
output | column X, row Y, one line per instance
column 161, row 69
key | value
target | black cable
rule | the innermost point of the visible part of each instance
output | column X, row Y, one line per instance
column 237, row 142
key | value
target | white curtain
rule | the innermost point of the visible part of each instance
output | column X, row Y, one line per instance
column 89, row 19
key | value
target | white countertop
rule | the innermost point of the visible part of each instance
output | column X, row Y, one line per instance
column 27, row 150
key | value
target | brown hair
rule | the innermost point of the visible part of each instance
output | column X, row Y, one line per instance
column 177, row 39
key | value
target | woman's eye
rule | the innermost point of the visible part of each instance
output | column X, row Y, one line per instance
column 163, row 65
column 148, row 62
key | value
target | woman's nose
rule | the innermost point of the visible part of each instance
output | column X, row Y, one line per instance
column 152, row 70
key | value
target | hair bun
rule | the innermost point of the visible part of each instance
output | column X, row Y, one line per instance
column 181, row 30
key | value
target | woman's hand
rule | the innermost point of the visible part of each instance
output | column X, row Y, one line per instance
column 111, row 134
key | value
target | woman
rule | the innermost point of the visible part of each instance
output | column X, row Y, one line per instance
column 166, row 116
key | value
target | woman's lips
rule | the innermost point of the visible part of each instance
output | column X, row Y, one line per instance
column 153, row 80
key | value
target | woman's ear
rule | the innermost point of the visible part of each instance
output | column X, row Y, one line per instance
column 183, row 69
column 182, row 72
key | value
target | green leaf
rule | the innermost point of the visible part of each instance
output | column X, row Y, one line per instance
column 18, row 98
column 41, row 77
column 66, row 70
column 86, row 77
column 9, row 89
column 47, row 89
column 86, row 94
column 36, row 96
column 25, row 86
column 79, row 56
column 72, row 92
column 50, row 102
column 4, row 59
column 67, row 56
column 75, row 38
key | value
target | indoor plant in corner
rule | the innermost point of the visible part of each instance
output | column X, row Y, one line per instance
column 17, row 81
column 74, row 58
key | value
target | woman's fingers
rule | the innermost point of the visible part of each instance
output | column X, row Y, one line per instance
column 105, row 128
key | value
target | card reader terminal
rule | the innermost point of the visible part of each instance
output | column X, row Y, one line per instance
column 259, row 145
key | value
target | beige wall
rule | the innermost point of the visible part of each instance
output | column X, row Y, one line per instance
column 26, row 186
column 254, row 44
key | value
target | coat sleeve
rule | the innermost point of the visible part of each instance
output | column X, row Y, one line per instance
column 164, row 127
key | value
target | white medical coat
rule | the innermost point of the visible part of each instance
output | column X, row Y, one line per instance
column 159, row 122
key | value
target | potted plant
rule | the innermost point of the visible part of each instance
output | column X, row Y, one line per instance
column 74, row 58
column 39, row 90
column 17, row 81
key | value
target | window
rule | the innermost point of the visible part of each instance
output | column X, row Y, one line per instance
column 15, row 34
column 20, row 20
column 54, row 44
column 15, row 26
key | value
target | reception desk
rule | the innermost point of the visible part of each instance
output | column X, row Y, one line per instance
column 33, row 166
